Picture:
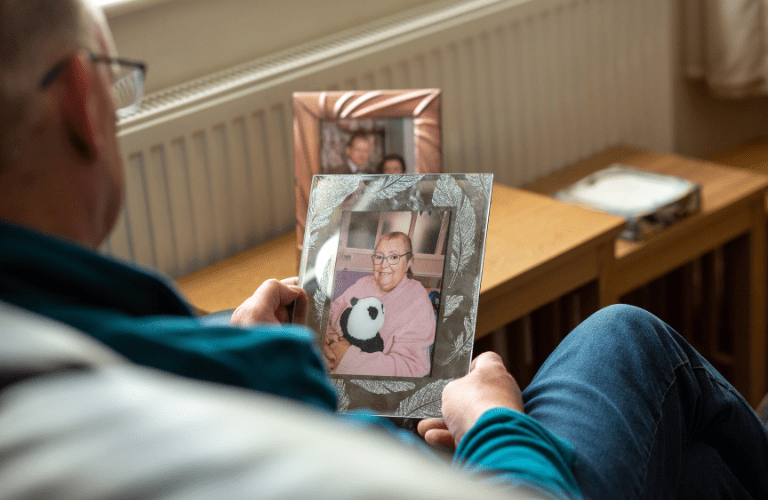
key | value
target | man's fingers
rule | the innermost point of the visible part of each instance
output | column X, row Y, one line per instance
column 440, row 437
column 435, row 432
column 294, row 280
column 488, row 359
column 300, row 307
column 288, row 293
column 472, row 364
column 295, row 299
column 429, row 424
column 270, row 303
column 282, row 314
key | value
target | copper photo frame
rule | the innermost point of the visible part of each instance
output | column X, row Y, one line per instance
column 324, row 121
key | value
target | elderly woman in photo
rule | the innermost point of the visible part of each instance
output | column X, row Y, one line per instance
column 409, row 326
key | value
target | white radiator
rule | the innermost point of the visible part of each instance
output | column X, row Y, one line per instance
column 528, row 86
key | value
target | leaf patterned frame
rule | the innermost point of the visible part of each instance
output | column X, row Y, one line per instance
column 468, row 198
column 310, row 108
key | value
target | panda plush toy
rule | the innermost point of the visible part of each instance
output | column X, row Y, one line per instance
column 361, row 323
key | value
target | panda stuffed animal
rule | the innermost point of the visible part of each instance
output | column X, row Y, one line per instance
column 361, row 323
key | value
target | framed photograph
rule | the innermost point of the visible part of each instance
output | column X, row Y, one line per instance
column 363, row 132
column 392, row 265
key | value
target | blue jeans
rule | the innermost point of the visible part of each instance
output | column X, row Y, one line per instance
column 648, row 416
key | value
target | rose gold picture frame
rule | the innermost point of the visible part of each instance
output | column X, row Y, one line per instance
column 311, row 109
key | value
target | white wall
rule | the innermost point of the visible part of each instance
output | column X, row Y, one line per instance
column 185, row 39
column 705, row 125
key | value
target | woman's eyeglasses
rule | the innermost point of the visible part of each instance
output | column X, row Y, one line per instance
column 392, row 259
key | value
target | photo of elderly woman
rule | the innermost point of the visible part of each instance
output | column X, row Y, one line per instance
column 387, row 285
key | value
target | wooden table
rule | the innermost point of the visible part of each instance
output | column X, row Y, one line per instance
column 751, row 155
column 732, row 220
column 226, row 284
column 537, row 249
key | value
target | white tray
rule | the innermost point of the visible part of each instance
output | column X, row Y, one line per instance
column 648, row 201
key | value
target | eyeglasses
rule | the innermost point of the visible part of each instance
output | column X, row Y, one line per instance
column 127, row 81
column 377, row 259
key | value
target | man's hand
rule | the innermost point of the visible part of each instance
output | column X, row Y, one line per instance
column 488, row 385
column 271, row 303
column 435, row 432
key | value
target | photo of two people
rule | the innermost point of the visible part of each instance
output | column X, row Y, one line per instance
column 366, row 146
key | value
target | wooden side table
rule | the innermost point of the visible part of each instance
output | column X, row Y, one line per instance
column 751, row 155
column 732, row 222
column 537, row 250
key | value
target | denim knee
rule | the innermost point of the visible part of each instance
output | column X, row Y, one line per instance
column 627, row 315
column 623, row 325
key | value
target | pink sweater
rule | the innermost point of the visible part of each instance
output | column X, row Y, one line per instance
column 408, row 330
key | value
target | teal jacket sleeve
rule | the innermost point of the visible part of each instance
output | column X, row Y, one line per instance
column 140, row 314
column 515, row 448
column 278, row 359
column 512, row 449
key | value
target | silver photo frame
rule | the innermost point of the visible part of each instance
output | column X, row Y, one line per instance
column 350, row 220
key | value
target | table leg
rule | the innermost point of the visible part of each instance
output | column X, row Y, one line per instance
column 757, row 354
column 607, row 291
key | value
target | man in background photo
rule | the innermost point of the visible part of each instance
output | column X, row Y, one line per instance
column 357, row 153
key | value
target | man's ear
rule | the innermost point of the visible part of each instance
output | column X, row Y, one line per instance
column 80, row 106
